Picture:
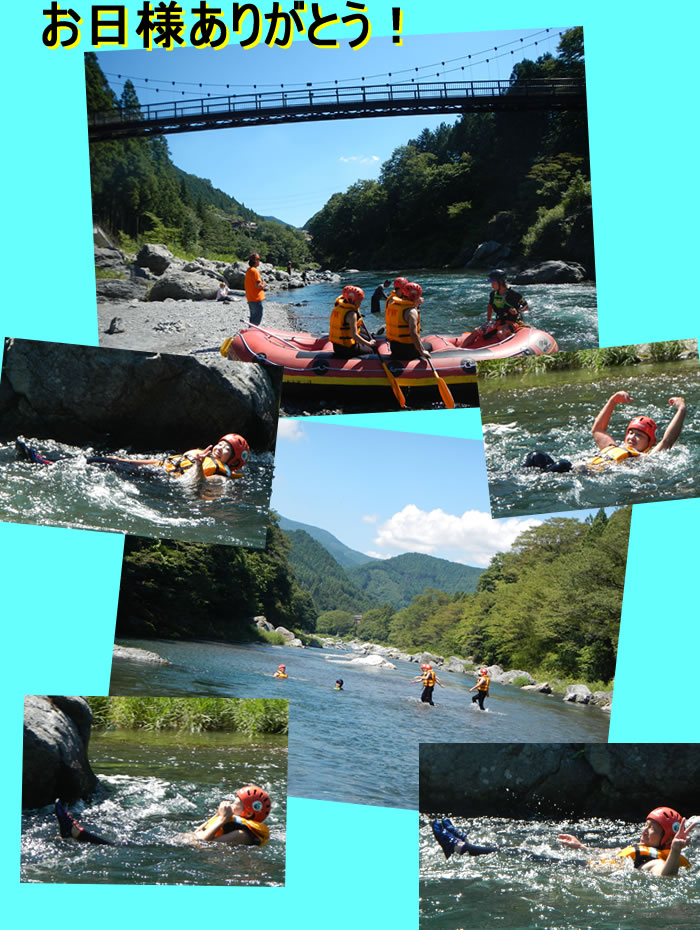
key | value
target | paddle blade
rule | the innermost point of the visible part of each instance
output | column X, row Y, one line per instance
column 395, row 386
column 447, row 398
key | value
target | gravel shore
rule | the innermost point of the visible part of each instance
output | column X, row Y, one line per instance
column 182, row 327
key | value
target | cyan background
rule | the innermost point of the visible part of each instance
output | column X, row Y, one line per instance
column 345, row 865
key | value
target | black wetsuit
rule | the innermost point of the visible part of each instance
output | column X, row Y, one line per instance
column 377, row 298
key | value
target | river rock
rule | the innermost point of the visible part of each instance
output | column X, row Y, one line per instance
column 120, row 289
column 577, row 694
column 262, row 623
column 618, row 780
column 133, row 654
column 496, row 674
column 372, row 661
column 55, row 763
column 157, row 258
column 290, row 639
column 455, row 665
column 427, row 658
column 184, row 285
column 144, row 401
column 490, row 252
column 552, row 273
column 110, row 260
column 543, row 687
column 509, row 677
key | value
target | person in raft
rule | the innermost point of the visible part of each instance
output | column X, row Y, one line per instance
column 481, row 687
column 659, row 849
column 506, row 305
column 224, row 459
column 403, row 321
column 346, row 324
column 254, row 289
column 238, row 821
column 429, row 680
column 640, row 438
column 281, row 672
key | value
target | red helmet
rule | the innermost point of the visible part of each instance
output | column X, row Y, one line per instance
column 429, row 667
column 256, row 802
column 281, row 666
column 669, row 821
column 354, row 294
column 645, row 425
column 400, row 284
column 412, row 290
column 483, row 670
column 240, row 450
column 425, row 666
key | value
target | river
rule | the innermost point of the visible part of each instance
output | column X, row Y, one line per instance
column 515, row 893
column 555, row 412
column 359, row 745
column 74, row 494
column 456, row 302
column 155, row 786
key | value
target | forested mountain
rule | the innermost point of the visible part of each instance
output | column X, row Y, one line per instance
column 397, row 581
column 343, row 554
column 141, row 196
column 318, row 573
column 521, row 178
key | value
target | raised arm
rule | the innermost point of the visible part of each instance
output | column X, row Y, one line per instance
column 679, row 842
column 600, row 424
column 673, row 430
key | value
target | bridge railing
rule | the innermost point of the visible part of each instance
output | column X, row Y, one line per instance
column 336, row 97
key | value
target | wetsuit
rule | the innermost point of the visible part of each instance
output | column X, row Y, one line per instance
column 377, row 297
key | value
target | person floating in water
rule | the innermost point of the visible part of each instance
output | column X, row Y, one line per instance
column 239, row 821
column 346, row 324
column 663, row 837
column 429, row 680
column 640, row 438
column 506, row 305
column 481, row 687
column 281, row 672
column 338, row 684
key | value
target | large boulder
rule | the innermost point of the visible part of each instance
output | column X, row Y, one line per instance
column 134, row 654
column 552, row 273
column 509, row 677
column 119, row 289
column 577, row 694
column 490, row 252
column 157, row 258
column 619, row 780
column 372, row 661
column 185, row 285
column 114, row 398
column 55, row 762
column 110, row 260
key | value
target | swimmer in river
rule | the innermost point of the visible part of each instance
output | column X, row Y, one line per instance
column 281, row 672
column 640, row 438
column 239, row 821
column 658, row 851
column 338, row 684
column 429, row 680
column 481, row 687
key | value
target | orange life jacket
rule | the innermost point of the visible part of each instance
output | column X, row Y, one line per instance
column 397, row 329
column 340, row 330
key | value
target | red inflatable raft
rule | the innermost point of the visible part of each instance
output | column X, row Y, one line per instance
column 308, row 360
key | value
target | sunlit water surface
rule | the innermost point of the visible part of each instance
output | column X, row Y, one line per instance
column 155, row 787
column 515, row 893
column 555, row 413
column 72, row 493
column 359, row 745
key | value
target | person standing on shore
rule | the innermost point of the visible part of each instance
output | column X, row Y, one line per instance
column 254, row 289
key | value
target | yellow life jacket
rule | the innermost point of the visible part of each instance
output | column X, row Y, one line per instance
column 640, row 855
column 397, row 329
column 340, row 331
column 483, row 687
column 280, row 675
column 613, row 455
column 259, row 830
column 428, row 678
column 177, row 465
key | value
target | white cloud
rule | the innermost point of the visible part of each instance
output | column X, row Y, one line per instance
column 290, row 429
column 370, row 518
column 359, row 159
column 378, row 555
column 472, row 538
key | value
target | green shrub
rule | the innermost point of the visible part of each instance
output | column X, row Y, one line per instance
column 195, row 714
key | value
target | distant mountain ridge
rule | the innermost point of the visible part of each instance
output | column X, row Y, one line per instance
column 341, row 578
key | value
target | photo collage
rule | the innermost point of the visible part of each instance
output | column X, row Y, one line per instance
column 350, row 466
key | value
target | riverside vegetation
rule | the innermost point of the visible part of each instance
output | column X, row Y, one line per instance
column 519, row 179
column 550, row 605
column 250, row 716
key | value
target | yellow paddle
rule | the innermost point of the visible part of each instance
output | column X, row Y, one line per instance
column 447, row 398
column 395, row 387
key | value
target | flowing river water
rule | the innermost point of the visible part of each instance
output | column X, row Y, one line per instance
column 516, row 892
column 358, row 745
column 455, row 303
column 155, row 787
column 555, row 411
column 72, row 493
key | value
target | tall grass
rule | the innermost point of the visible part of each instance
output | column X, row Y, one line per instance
column 251, row 716
column 595, row 359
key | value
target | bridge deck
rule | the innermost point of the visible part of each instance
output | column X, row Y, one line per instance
column 336, row 103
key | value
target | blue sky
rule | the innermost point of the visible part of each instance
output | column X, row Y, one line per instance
column 385, row 492
column 290, row 171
